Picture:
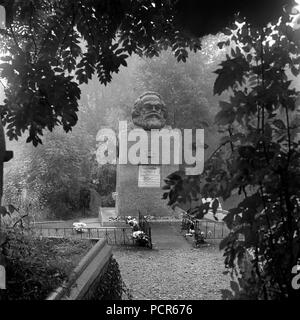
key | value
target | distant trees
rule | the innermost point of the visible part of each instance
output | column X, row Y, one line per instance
column 186, row 88
column 52, row 174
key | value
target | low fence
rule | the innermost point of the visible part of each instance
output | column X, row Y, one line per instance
column 186, row 223
column 215, row 230
column 112, row 235
column 212, row 229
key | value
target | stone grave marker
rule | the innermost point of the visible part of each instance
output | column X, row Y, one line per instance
column 139, row 185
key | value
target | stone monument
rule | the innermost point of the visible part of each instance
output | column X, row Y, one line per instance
column 139, row 186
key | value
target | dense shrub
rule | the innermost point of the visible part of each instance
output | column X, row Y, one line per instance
column 107, row 201
column 52, row 176
column 258, row 158
column 110, row 285
column 35, row 267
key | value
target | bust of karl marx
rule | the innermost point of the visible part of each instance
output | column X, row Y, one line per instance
column 149, row 111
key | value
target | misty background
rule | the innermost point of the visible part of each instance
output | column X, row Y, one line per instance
column 50, row 181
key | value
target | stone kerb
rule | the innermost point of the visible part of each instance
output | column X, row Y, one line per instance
column 85, row 275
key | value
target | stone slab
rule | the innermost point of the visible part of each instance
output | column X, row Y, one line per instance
column 148, row 200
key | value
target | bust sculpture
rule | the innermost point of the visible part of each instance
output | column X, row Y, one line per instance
column 138, row 184
column 149, row 111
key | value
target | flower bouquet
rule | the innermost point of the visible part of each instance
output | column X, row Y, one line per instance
column 133, row 223
column 140, row 238
column 199, row 238
column 79, row 227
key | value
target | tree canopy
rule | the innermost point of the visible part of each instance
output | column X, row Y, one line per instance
column 54, row 46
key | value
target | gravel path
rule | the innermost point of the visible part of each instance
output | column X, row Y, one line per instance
column 173, row 269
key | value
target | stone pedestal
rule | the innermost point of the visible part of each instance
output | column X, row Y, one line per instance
column 139, row 186
column 132, row 198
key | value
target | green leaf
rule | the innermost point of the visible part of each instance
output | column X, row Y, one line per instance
column 3, row 239
column 249, row 57
column 165, row 196
column 226, row 106
column 278, row 123
column 221, row 44
column 6, row 58
column 3, row 211
column 227, row 32
column 215, row 206
column 58, row 69
column 225, row 117
column 12, row 208
column 295, row 71
column 232, row 72
column 224, row 242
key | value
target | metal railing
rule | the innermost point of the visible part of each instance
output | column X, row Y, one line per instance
column 113, row 235
column 186, row 222
column 210, row 229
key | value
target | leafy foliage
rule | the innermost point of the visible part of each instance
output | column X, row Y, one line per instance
column 62, row 169
column 110, row 286
column 185, row 87
column 258, row 157
column 53, row 46
column 209, row 17
column 34, row 268
column 48, row 179
column 104, row 178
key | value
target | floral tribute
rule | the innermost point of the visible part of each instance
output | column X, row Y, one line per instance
column 138, row 235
